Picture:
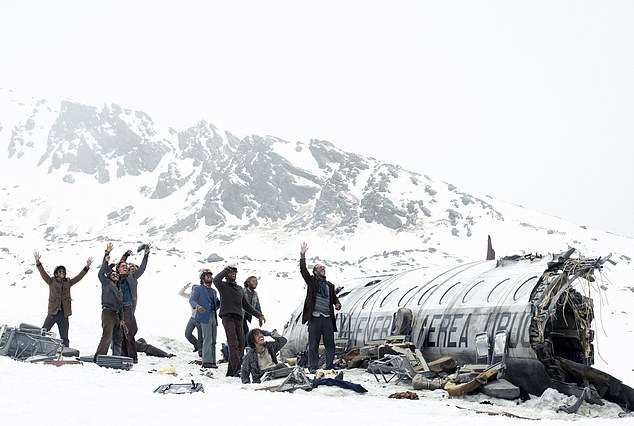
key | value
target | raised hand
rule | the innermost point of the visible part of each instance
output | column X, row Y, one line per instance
column 89, row 261
column 37, row 256
column 109, row 247
column 303, row 248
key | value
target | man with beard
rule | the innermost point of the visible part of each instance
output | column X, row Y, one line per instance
column 318, row 311
column 234, row 301
column 204, row 300
column 59, row 300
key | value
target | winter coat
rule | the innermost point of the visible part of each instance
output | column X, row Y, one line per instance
column 250, row 361
column 255, row 303
column 59, row 291
column 233, row 298
column 111, row 296
column 311, row 295
column 133, row 277
column 200, row 296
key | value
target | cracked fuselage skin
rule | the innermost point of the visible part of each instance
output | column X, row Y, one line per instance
column 530, row 297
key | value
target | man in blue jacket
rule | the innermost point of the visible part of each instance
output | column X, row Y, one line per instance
column 206, row 303
column 128, row 281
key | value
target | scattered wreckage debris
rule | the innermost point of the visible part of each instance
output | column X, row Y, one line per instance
column 421, row 382
column 35, row 344
column 168, row 370
column 501, row 388
column 460, row 385
column 29, row 343
column 115, row 361
column 180, row 388
column 62, row 362
column 295, row 378
column 457, row 382
column 532, row 314
column 496, row 413
column 404, row 395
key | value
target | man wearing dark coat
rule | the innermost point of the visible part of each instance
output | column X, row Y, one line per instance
column 318, row 311
column 234, row 304
column 111, row 303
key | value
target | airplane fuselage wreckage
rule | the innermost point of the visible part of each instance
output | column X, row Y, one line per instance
column 538, row 303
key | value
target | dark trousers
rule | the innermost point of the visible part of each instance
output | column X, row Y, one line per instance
column 117, row 340
column 245, row 333
column 109, row 320
column 233, row 330
column 129, row 340
column 318, row 327
column 62, row 325
column 189, row 334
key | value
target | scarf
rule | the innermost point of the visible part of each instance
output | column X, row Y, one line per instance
column 322, row 286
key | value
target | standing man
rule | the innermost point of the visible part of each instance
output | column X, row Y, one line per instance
column 128, row 282
column 111, row 303
column 59, row 301
column 231, row 312
column 250, row 284
column 318, row 311
column 206, row 303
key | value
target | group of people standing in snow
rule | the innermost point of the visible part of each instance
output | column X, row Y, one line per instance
column 118, row 301
column 236, row 311
column 235, row 305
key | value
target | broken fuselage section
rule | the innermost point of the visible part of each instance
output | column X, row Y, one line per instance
column 538, row 301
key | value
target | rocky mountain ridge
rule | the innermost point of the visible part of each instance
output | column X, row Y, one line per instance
column 206, row 182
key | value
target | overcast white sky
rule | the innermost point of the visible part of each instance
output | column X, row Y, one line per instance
column 531, row 102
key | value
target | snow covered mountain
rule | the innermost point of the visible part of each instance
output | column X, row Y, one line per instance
column 209, row 186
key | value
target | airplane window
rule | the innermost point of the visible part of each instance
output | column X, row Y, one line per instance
column 400, row 302
column 427, row 292
column 498, row 290
column 469, row 294
column 386, row 296
column 370, row 298
column 448, row 295
column 525, row 287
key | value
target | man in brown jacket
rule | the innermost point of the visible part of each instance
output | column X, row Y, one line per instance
column 59, row 300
